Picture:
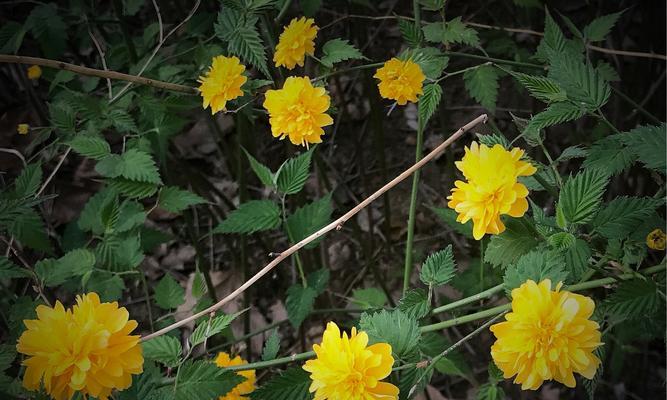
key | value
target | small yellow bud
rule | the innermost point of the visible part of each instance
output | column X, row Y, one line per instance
column 656, row 240
column 34, row 72
column 23, row 129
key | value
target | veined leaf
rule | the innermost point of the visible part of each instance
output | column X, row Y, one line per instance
column 439, row 268
column 369, row 298
column 308, row 219
column 251, row 216
column 247, row 44
column 453, row 31
column 633, row 299
column 208, row 328
column 271, row 346
column 203, row 380
column 537, row 266
column 609, row 155
column 553, row 42
column 482, row 84
column 412, row 35
column 556, row 113
column 290, row 385
column 337, row 50
column 647, row 144
column 262, row 171
column 429, row 101
column 27, row 183
column 9, row 270
column 168, row 293
column 90, row 146
column 600, row 27
column 415, row 303
column 448, row 216
column 292, row 175
column 393, row 327
column 518, row 239
column 299, row 303
column 176, row 200
column 583, row 84
column 581, row 196
column 164, row 349
column 540, row 87
column 622, row 215
column 133, row 189
column 139, row 166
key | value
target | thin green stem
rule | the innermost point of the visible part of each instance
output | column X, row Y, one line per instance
column 282, row 11
column 466, row 318
column 342, row 71
column 299, row 265
column 604, row 119
column 407, row 268
column 416, row 10
column 494, row 60
column 482, row 245
column 551, row 164
column 470, row 299
column 273, row 363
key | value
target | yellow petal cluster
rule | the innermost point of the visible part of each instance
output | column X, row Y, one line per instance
column 23, row 129
column 656, row 240
column 400, row 80
column 491, row 189
column 346, row 368
column 87, row 348
column 222, row 82
column 246, row 387
column 298, row 111
column 34, row 72
column 296, row 41
column 547, row 336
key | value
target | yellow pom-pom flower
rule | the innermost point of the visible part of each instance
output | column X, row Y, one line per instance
column 34, row 72
column 296, row 41
column 222, row 82
column 246, row 387
column 547, row 336
column 347, row 368
column 491, row 189
column 656, row 240
column 298, row 111
column 23, row 129
column 87, row 348
column 400, row 80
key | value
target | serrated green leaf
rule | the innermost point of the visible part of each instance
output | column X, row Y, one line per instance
column 448, row 216
column 263, row 172
column 7, row 356
column 489, row 391
column 27, row 183
column 576, row 259
column 369, row 298
column 299, row 303
column 130, row 215
column 553, row 42
column 163, row 349
column 536, row 266
column 453, row 31
column 337, row 50
column 433, row 344
column 584, row 84
column 432, row 5
column 600, row 27
column 647, row 144
column 518, row 239
column 9, row 270
column 133, row 189
column 202, row 380
column 49, row 29
column 540, row 87
column 412, row 34
column 252, row 216
column 561, row 240
column 210, row 327
column 293, row 173
column 439, row 268
column 176, row 200
column 292, row 384
column 633, row 299
column 318, row 280
column 393, row 327
column 609, row 155
column 168, row 293
column 56, row 272
column 308, row 219
column 482, row 84
column 607, row 72
column 139, row 166
column 556, row 113
column 107, row 285
column 110, row 166
column 145, row 386
column 622, row 215
column 571, row 153
column 28, row 228
column 90, row 218
column 429, row 101
column 581, row 196
column 247, row 44
column 271, row 346
column 11, row 37
column 430, row 59
column 90, row 146
column 493, row 139
column 121, row 120
column 415, row 303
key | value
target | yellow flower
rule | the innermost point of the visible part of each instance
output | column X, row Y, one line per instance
column 492, row 188
column 298, row 111
column 222, row 82
column 548, row 335
column 656, row 240
column 400, row 81
column 34, row 72
column 245, row 387
column 87, row 348
column 297, row 40
column 23, row 129
column 347, row 369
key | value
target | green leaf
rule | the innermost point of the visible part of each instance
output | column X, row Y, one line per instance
column 553, row 42
column 133, row 189
column 121, row 120
column 647, row 143
column 251, row 216
column 540, row 87
column 90, row 218
column 202, row 380
column 429, row 101
column 576, row 259
column 27, row 183
column 7, row 356
column 518, row 239
column 308, row 219
column 536, row 266
column 110, row 166
column 90, row 146
column 168, row 293
column 607, row 72
column 432, row 5
column 431, row 60
column 454, row 31
column 318, row 280
column 130, row 215
column 489, row 391
column 448, row 216
column 145, row 386
column 56, row 272
column 337, row 50
column 433, row 344
column 292, row 384
column 247, row 44
column 176, row 200
column 139, row 166
column 28, row 228
column 415, row 304
column 9, row 270
column 583, row 83
column 292, row 174
column 108, row 285
column 271, row 346
column 581, row 196
column 482, row 84
column 393, row 327
column 556, row 113
column 633, row 299
column 210, row 327
column 439, row 268
column 11, row 37
column 369, row 298
column 299, row 303
column 164, row 349
column 600, row 27
column 412, row 35
column 561, row 240
column 622, row 215
column 49, row 29
column 571, row 153
column 263, row 172
column 608, row 155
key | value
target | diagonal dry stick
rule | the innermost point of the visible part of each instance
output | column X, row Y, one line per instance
column 337, row 224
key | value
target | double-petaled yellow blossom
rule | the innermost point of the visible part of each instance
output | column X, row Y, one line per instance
column 222, row 82
column 87, row 348
column 547, row 336
column 243, row 388
column 34, row 72
column 491, row 189
column 298, row 111
column 346, row 368
column 23, row 129
column 656, row 240
column 400, row 80
column 296, row 41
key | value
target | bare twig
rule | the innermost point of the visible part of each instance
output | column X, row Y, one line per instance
column 14, row 152
column 337, row 224
column 53, row 173
column 159, row 20
column 101, row 53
